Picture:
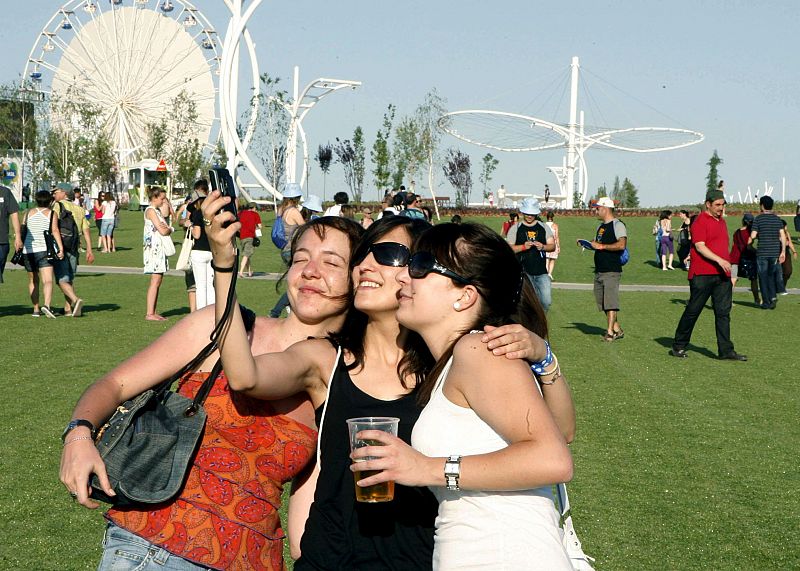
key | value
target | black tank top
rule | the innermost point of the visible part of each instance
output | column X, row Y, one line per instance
column 341, row 533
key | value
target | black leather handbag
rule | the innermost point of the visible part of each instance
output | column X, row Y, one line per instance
column 149, row 443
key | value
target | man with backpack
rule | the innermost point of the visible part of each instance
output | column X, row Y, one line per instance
column 609, row 245
column 72, row 224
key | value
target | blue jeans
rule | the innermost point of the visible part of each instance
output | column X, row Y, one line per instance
column 543, row 286
column 125, row 551
column 770, row 278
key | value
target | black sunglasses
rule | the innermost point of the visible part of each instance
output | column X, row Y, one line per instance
column 387, row 254
column 422, row 263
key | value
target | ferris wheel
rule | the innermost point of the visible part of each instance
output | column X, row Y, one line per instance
column 131, row 58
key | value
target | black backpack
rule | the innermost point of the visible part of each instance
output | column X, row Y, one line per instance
column 69, row 229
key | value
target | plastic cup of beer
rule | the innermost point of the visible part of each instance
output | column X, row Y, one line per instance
column 383, row 492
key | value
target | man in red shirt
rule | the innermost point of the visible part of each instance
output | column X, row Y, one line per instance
column 709, row 276
column 251, row 221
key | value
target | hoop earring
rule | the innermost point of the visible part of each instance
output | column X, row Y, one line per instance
column 456, row 306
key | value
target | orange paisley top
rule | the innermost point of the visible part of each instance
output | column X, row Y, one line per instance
column 226, row 517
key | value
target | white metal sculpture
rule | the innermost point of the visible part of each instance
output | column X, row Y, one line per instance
column 298, row 108
column 131, row 58
column 520, row 133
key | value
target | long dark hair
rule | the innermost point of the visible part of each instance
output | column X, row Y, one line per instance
column 488, row 262
column 417, row 360
column 319, row 226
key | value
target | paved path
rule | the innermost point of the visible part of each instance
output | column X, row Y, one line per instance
column 97, row 269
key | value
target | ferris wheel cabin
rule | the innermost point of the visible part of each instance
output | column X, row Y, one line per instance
column 142, row 175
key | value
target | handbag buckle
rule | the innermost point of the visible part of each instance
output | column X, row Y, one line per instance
column 191, row 411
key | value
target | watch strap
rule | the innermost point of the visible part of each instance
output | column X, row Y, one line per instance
column 452, row 471
column 75, row 424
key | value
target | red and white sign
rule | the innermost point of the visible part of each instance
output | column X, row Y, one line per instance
column 162, row 166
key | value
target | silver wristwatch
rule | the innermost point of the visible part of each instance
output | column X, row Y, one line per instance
column 452, row 471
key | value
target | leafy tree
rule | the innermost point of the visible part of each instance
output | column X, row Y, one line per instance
column 380, row 151
column 102, row 168
column 18, row 127
column 427, row 115
column 458, row 172
column 408, row 154
column 324, row 158
column 577, row 199
column 346, row 156
column 269, row 139
column 359, row 164
column 712, row 179
column 157, row 138
column 488, row 166
column 629, row 194
column 75, row 124
column 182, row 151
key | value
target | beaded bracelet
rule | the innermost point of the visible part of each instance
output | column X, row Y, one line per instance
column 539, row 366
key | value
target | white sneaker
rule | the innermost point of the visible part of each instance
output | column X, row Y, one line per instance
column 48, row 312
column 77, row 307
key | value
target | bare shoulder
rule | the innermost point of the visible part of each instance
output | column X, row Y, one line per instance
column 470, row 355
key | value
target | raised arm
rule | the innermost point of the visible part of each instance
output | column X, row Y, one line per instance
column 162, row 227
column 270, row 376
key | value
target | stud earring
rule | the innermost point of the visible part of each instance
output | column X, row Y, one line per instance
column 456, row 306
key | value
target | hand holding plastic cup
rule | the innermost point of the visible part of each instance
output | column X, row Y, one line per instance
column 383, row 492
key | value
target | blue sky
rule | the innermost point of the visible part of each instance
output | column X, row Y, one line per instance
column 727, row 69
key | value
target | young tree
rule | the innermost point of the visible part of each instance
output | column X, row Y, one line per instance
column 629, row 194
column 577, row 199
column 457, row 171
column 346, row 156
column 408, row 153
column 183, row 151
column 616, row 190
column 269, row 139
column 488, row 166
column 359, row 164
column 75, row 125
column 427, row 116
column 17, row 121
column 157, row 138
column 324, row 158
column 712, row 179
column 380, row 154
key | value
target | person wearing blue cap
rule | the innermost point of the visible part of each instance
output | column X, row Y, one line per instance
column 530, row 240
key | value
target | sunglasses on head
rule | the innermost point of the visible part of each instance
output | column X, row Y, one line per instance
column 422, row 263
column 387, row 254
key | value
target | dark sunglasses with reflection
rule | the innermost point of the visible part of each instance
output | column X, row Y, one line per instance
column 386, row 254
column 422, row 263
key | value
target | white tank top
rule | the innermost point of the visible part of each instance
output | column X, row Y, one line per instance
column 37, row 222
column 484, row 530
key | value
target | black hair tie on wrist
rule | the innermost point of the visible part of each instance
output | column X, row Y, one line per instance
column 222, row 270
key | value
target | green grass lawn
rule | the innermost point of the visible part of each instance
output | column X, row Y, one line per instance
column 680, row 464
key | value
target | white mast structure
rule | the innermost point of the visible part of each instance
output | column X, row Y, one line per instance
column 513, row 132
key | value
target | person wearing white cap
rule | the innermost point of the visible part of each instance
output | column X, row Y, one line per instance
column 530, row 240
column 609, row 242
column 313, row 204
column 288, row 220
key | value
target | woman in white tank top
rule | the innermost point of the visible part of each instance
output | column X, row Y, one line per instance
column 485, row 443
column 40, row 269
